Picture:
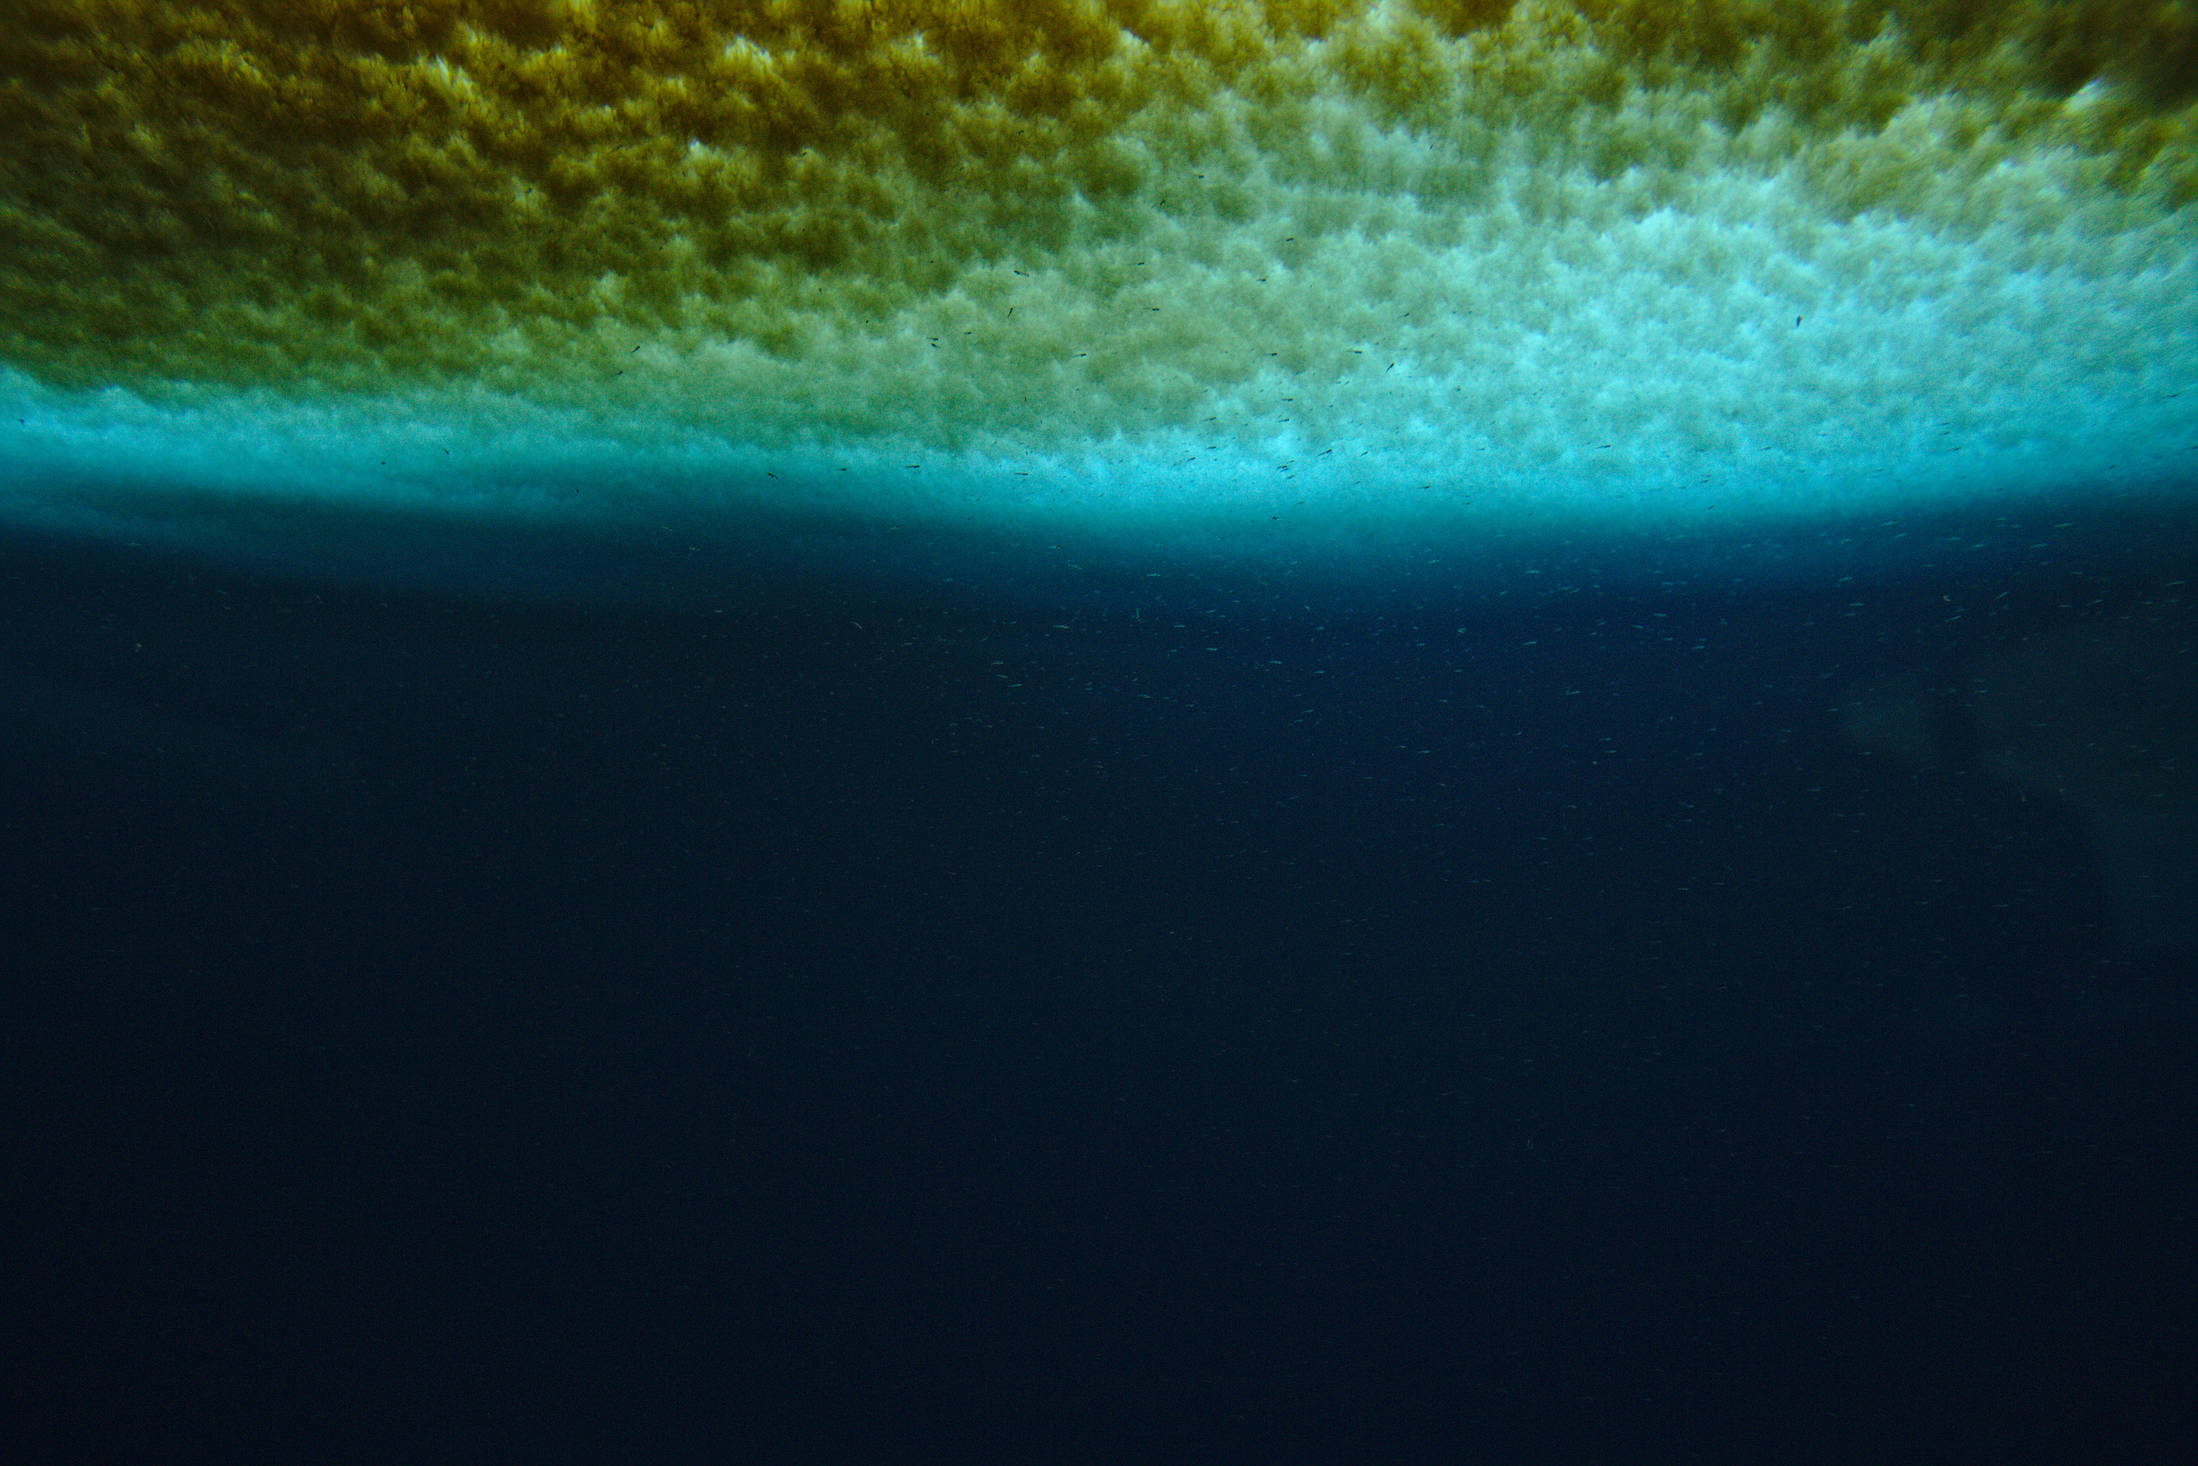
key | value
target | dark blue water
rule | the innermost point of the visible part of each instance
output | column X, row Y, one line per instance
column 1070, row 1016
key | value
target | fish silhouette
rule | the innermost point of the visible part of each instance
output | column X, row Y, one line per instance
column 2099, row 717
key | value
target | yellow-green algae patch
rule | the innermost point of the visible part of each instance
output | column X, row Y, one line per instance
column 1035, row 224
